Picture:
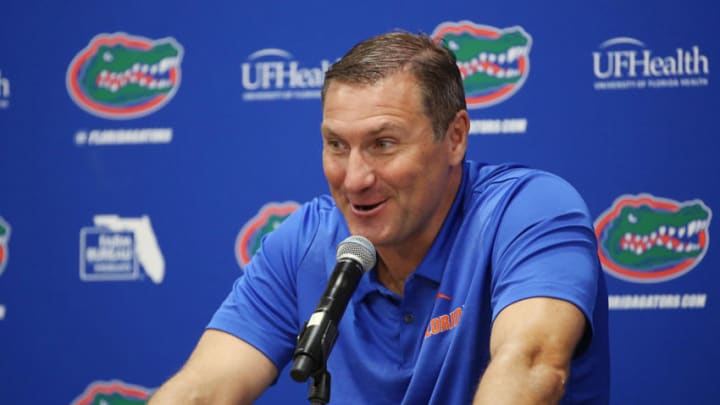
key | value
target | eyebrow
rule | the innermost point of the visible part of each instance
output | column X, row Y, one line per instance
column 384, row 126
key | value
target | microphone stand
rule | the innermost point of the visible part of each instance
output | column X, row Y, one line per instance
column 311, row 361
column 319, row 392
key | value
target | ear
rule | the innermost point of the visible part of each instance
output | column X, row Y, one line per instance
column 456, row 136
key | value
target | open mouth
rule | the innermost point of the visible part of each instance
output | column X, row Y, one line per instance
column 365, row 208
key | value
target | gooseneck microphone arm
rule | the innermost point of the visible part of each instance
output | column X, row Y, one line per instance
column 355, row 256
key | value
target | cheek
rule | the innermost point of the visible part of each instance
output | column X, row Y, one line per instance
column 334, row 172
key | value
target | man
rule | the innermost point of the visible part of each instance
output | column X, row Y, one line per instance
column 487, row 286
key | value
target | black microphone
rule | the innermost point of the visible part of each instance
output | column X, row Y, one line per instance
column 355, row 255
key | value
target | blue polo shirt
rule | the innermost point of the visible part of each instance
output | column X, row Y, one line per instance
column 512, row 233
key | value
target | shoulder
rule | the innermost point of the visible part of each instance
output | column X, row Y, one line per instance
column 531, row 190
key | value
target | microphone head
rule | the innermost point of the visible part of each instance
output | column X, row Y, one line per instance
column 359, row 249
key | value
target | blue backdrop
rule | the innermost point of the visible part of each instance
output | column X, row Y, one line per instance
column 145, row 147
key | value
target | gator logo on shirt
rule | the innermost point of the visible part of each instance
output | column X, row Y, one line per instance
column 4, row 238
column 494, row 62
column 113, row 392
column 649, row 239
column 120, row 76
column 270, row 216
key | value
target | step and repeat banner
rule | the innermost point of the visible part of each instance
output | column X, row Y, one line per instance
column 146, row 148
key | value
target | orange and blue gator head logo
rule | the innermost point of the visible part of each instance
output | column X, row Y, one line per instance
column 270, row 216
column 4, row 238
column 113, row 392
column 648, row 239
column 120, row 76
column 494, row 63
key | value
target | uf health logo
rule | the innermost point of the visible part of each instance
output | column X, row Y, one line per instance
column 494, row 62
column 270, row 216
column 648, row 239
column 113, row 392
column 626, row 63
column 115, row 248
column 120, row 76
column 273, row 74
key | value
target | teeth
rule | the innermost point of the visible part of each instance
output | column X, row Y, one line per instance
column 514, row 53
column 692, row 227
column 653, row 235
column 166, row 64
column 628, row 237
column 639, row 250
column 662, row 230
column 671, row 231
column 144, row 68
column 668, row 245
column 483, row 56
column 681, row 232
column 680, row 247
column 501, row 58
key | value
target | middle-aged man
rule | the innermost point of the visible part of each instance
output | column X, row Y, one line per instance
column 487, row 286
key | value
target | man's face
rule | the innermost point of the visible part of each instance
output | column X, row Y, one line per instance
column 391, row 179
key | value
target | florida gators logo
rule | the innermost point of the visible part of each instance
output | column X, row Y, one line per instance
column 113, row 392
column 120, row 76
column 648, row 239
column 494, row 62
column 4, row 238
column 270, row 216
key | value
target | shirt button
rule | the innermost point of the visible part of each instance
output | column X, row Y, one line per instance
column 408, row 318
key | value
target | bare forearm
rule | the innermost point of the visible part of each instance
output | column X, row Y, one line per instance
column 182, row 390
column 518, row 384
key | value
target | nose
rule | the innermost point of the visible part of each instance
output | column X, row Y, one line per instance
column 359, row 173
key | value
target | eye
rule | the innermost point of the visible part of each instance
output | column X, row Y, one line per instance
column 383, row 144
column 632, row 218
column 334, row 145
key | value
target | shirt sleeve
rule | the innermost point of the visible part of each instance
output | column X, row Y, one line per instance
column 262, row 309
column 545, row 246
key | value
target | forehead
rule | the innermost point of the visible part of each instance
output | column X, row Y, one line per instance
column 395, row 98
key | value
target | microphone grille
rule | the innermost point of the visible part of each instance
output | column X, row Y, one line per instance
column 357, row 248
